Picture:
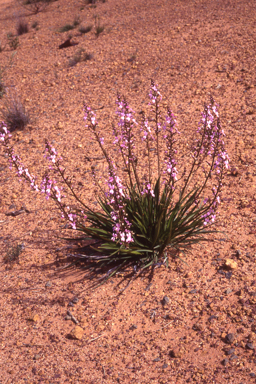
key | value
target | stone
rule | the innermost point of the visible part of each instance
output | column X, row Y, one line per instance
column 228, row 291
column 193, row 291
column 75, row 300
column 230, row 337
column 230, row 264
column 33, row 317
column 48, row 284
column 250, row 346
column 77, row 333
column 176, row 353
column 225, row 362
column 165, row 300
column 234, row 357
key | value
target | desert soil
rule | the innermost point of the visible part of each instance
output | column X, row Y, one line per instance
column 204, row 331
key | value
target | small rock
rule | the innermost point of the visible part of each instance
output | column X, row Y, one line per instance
column 238, row 253
column 225, row 362
column 71, row 304
column 233, row 357
column 165, row 366
column 252, row 374
column 156, row 360
column 193, row 291
column 33, row 317
column 48, row 284
column 234, row 171
column 77, row 333
column 197, row 327
column 165, row 300
column 134, row 326
column 75, row 300
column 176, row 352
column 68, row 317
column 228, row 291
column 230, row 264
column 228, row 275
column 37, row 357
column 249, row 346
column 230, row 337
column 231, row 351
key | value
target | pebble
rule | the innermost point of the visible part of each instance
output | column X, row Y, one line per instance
column 225, row 362
column 33, row 317
column 71, row 304
column 75, row 300
column 166, row 300
column 134, row 326
column 193, row 291
column 230, row 264
column 176, row 352
column 252, row 374
column 231, row 351
column 156, row 360
column 77, row 333
column 249, row 346
column 228, row 291
column 234, row 357
column 165, row 366
column 48, row 284
column 68, row 317
column 230, row 337
column 37, row 357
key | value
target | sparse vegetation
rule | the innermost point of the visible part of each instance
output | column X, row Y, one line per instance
column 76, row 21
column 98, row 27
column 66, row 28
column 85, row 29
column 80, row 56
column 2, row 86
column 35, row 6
column 15, row 114
column 13, row 253
column 2, row 72
column 13, row 41
column 21, row 27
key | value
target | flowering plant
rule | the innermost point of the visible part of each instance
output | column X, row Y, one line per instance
column 146, row 208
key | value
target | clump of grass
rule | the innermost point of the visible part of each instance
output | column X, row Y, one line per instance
column 76, row 21
column 15, row 114
column 35, row 6
column 13, row 253
column 13, row 41
column 66, row 28
column 2, row 73
column 85, row 29
column 80, row 56
column 2, row 86
column 21, row 27
column 98, row 27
